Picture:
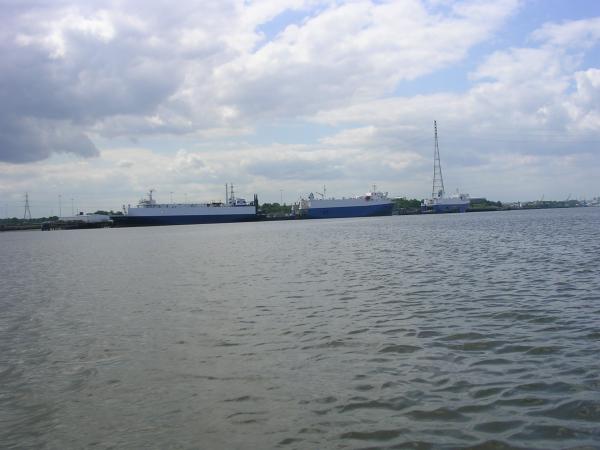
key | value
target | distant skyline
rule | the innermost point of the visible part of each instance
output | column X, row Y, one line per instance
column 101, row 101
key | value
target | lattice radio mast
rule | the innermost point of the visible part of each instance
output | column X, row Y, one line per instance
column 438, row 180
column 27, row 214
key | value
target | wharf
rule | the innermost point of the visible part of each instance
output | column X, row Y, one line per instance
column 20, row 227
column 72, row 225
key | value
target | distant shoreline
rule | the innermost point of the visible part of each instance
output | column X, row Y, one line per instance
column 15, row 224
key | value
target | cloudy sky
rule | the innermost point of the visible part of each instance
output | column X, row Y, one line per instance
column 102, row 100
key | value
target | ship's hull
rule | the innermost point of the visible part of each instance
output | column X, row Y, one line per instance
column 350, row 211
column 445, row 208
column 187, row 219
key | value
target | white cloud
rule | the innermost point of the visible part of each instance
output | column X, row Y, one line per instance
column 53, row 34
column 117, row 69
column 577, row 33
column 584, row 106
column 518, row 93
column 351, row 137
column 352, row 51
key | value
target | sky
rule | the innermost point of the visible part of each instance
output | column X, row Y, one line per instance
column 101, row 101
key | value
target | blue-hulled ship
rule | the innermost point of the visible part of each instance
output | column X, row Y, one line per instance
column 371, row 204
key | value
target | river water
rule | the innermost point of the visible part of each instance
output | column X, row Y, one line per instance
column 473, row 330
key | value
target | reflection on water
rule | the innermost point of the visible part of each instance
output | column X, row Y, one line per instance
column 473, row 330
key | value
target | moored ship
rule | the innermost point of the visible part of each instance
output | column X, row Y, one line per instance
column 454, row 203
column 148, row 212
column 371, row 204
column 439, row 203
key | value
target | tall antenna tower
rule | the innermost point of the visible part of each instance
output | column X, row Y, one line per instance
column 27, row 214
column 438, row 180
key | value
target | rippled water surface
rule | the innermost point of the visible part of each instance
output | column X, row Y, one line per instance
column 475, row 330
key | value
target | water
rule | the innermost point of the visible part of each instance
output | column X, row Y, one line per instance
column 473, row 330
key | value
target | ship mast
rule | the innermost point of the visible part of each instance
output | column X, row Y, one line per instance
column 438, row 180
column 231, row 194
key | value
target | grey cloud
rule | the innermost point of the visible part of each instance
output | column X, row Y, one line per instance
column 95, row 80
column 27, row 139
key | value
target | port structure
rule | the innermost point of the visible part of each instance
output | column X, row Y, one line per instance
column 438, row 180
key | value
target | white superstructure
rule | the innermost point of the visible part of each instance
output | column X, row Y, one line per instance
column 458, row 201
column 148, row 207
column 369, row 199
